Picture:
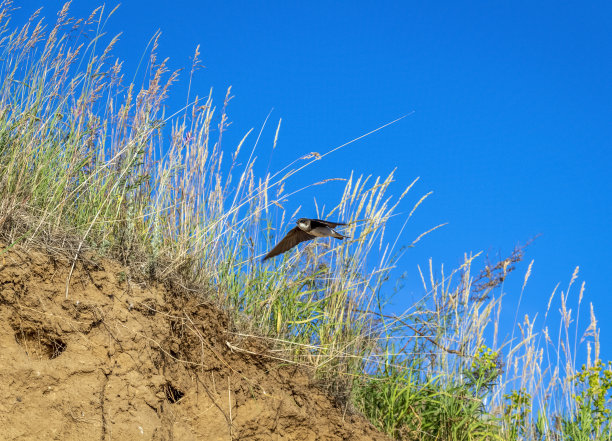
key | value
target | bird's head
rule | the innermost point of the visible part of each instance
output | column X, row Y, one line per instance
column 303, row 223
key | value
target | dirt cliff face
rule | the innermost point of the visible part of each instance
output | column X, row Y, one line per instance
column 115, row 360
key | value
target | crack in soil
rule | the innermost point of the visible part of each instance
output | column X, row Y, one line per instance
column 102, row 396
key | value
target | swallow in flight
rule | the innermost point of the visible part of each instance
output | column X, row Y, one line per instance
column 306, row 229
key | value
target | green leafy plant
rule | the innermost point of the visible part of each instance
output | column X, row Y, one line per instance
column 517, row 412
column 592, row 419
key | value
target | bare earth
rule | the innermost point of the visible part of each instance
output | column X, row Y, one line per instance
column 121, row 361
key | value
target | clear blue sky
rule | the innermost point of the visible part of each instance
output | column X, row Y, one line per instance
column 512, row 120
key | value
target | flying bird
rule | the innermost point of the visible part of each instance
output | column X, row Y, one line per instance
column 306, row 229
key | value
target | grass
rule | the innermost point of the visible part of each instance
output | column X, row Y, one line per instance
column 89, row 162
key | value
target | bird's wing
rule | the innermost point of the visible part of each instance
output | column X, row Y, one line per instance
column 292, row 238
column 323, row 223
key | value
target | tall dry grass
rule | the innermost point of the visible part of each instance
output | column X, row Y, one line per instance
column 453, row 376
column 89, row 162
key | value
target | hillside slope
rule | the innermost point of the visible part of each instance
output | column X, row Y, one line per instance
column 120, row 360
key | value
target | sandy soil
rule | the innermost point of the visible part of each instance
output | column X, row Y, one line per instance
column 121, row 361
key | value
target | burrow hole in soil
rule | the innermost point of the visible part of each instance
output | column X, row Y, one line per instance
column 172, row 393
column 39, row 344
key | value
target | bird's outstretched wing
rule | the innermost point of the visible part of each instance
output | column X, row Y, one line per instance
column 292, row 238
column 324, row 223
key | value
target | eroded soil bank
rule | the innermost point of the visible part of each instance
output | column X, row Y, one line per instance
column 118, row 360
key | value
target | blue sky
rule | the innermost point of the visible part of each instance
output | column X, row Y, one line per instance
column 511, row 127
